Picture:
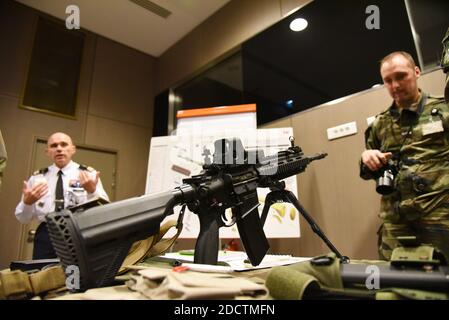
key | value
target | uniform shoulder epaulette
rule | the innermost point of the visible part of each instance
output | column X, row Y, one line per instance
column 40, row 171
column 86, row 168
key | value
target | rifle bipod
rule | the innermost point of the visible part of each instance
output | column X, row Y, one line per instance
column 279, row 194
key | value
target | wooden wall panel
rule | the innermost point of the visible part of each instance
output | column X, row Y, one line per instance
column 132, row 144
column 121, row 84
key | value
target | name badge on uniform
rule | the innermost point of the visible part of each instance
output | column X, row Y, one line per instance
column 74, row 184
column 432, row 127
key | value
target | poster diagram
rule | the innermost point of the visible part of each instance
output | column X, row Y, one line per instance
column 174, row 158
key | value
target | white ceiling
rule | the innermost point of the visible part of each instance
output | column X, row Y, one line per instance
column 132, row 25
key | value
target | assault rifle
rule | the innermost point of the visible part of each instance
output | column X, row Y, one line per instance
column 98, row 239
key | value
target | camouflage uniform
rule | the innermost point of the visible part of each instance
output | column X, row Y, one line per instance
column 420, row 203
column 445, row 63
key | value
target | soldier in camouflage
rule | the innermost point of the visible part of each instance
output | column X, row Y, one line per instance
column 414, row 132
column 445, row 63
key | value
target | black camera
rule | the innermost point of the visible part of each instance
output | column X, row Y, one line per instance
column 385, row 178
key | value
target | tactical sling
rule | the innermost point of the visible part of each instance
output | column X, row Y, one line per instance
column 152, row 246
column 17, row 284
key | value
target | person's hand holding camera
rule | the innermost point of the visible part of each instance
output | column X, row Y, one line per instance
column 374, row 159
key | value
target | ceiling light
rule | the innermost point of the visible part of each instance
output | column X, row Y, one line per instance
column 298, row 24
column 289, row 104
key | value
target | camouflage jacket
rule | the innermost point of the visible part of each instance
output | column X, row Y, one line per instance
column 421, row 141
column 445, row 63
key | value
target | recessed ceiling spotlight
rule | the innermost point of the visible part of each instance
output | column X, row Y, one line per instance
column 289, row 104
column 298, row 24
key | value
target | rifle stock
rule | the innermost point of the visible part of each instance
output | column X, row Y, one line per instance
column 98, row 239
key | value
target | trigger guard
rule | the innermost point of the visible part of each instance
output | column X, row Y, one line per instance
column 224, row 220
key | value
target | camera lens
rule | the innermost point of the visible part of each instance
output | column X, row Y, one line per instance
column 385, row 183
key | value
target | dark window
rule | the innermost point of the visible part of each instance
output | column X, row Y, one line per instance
column 221, row 85
column 285, row 72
